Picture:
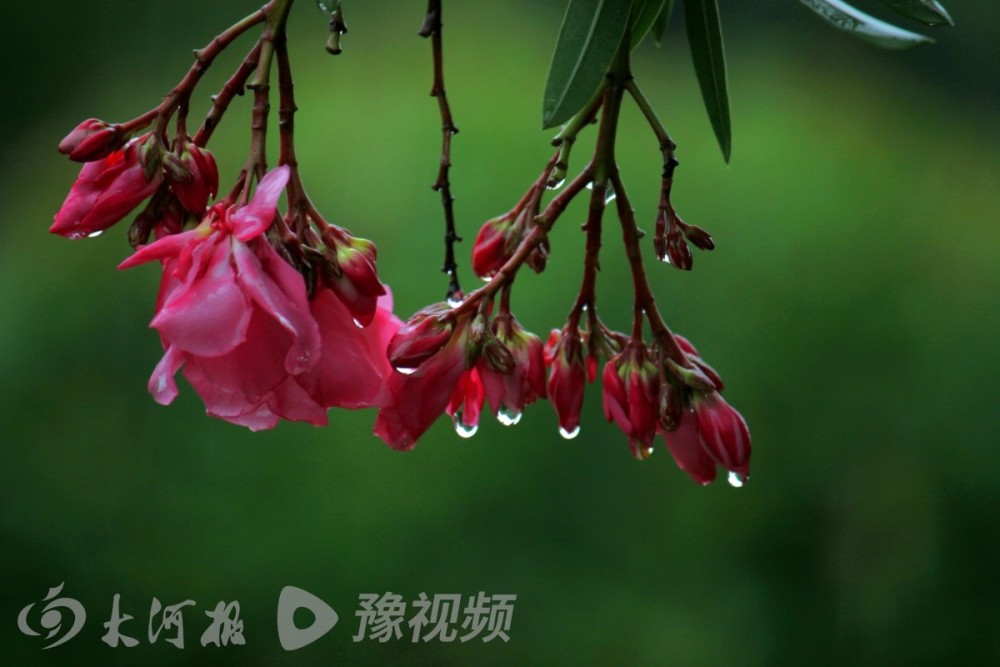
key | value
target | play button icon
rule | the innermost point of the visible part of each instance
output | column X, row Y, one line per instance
column 292, row 599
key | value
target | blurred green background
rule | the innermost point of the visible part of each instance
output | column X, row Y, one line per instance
column 852, row 306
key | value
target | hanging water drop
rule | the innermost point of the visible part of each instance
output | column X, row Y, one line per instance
column 737, row 480
column 454, row 301
column 555, row 184
column 569, row 435
column 406, row 371
column 463, row 429
column 508, row 416
column 95, row 234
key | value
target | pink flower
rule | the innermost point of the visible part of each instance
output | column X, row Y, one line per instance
column 236, row 316
column 509, row 393
column 105, row 191
column 353, row 371
column 420, row 397
column 91, row 140
column 631, row 396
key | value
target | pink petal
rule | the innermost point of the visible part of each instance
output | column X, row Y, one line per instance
column 253, row 219
column 161, row 383
column 168, row 246
column 207, row 316
column 290, row 310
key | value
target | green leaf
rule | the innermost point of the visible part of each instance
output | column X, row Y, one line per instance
column 930, row 12
column 590, row 35
column 844, row 17
column 705, row 37
column 660, row 24
column 644, row 13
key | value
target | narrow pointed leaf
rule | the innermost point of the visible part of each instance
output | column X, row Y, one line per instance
column 644, row 13
column 930, row 12
column 660, row 24
column 591, row 33
column 705, row 37
column 844, row 17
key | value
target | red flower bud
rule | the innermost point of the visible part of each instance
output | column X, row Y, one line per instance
column 420, row 338
column 678, row 251
column 199, row 181
column 698, row 236
column 358, row 285
column 493, row 247
column 509, row 393
column 467, row 403
column 685, row 444
column 104, row 192
column 419, row 398
column 631, row 397
column 567, row 376
column 724, row 433
column 91, row 140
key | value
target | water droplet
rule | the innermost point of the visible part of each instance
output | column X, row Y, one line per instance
column 569, row 435
column 406, row 371
column 555, row 185
column 357, row 323
column 609, row 192
column 95, row 234
column 463, row 429
column 327, row 5
column 454, row 302
column 736, row 480
column 507, row 416
column 665, row 259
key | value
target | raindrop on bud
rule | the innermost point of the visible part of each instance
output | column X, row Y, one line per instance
column 569, row 435
column 737, row 480
column 507, row 416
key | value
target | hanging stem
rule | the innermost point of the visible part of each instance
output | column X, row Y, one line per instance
column 432, row 28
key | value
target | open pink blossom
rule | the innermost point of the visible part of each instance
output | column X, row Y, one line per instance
column 236, row 316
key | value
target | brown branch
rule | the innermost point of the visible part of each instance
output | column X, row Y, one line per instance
column 432, row 28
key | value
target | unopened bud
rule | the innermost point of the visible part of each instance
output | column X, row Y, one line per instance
column 692, row 377
column 698, row 236
column 91, row 140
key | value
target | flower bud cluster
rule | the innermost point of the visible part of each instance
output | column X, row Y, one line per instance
column 119, row 174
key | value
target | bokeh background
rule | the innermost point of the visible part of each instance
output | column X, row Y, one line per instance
column 852, row 305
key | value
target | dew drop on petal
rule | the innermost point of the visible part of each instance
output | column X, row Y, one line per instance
column 95, row 234
column 406, row 371
column 569, row 435
column 454, row 302
column 737, row 480
column 357, row 323
column 507, row 416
